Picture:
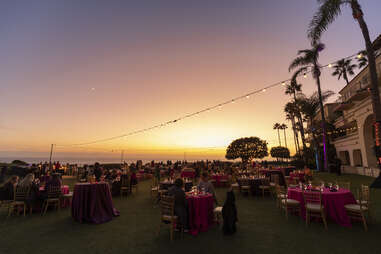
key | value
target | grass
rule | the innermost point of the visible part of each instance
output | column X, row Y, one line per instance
column 261, row 229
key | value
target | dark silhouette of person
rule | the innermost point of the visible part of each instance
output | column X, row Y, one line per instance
column 229, row 214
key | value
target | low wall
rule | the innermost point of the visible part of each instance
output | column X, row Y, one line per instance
column 373, row 172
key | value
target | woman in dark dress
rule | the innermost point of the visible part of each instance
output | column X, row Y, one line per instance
column 229, row 214
column 180, row 203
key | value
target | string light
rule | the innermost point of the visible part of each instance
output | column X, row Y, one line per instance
column 247, row 96
column 359, row 56
column 329, row 65
column 219, row 106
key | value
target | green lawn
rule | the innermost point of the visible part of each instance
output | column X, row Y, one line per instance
column 261, row 229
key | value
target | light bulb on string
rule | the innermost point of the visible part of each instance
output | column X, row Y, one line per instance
column 329, row 65
column 233, row 101
column 264, row 90
column 283, row 83
column 359, row 56
column 305, row 75
column 247, row 96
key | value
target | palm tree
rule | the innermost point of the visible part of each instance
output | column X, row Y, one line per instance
column 284, row 127
column 289, row 109
column 343, row 68
column 309, row 58
column 292, row 89
column 277, row 127
column 362, row 59
column 310, row 106
column 328, row 11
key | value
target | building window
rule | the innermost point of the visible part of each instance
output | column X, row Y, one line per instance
column 344, row 157
column 357, row 158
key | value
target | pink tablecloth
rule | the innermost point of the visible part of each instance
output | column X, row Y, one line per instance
column 218, row 179
column 200, row 213
column 333, row 202
column 92, row 203
column 188, row 174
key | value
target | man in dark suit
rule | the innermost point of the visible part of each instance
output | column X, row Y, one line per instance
column 180, row 202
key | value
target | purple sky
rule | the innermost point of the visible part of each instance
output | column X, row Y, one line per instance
column 75, row 71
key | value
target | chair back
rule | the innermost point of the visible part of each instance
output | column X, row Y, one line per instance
column 167, row 205
column 365, row 193
column 243, row 182
column 274, row 178
column 312, row 197
column 54, row 191
column 21, row 193
column 266, row 181
column 125, row 180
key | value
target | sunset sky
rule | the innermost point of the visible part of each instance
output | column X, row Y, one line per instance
column 76, row 71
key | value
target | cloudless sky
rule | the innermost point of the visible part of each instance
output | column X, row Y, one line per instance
column 75, row 71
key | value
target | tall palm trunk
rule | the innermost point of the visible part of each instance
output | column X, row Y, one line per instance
column 345, row 76
column 280, row 143
column 301, row 127
column 296, row 136
column 284, row 134
column 325, row 147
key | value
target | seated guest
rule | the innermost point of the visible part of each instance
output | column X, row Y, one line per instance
column 205, row 185
column 97, row 172
column 229, row 214
column 8, row 189
column 180, row 202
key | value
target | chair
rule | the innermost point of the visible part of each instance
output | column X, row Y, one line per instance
column 286, row 203
column 218, row 214
column 357, row 211
column 345, row 185
column 274, row 180
column 154, row 188
column 224, row 182
column 54, row 195
column 67, row 196
column 365, row 198
column 280, row 195
column 265, row 186
column 314, row 206
column 167, row 216
column 244, row 185
column 125, row 187
column 20, row 195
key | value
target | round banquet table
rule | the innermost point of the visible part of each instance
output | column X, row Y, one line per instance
column 92, row 202
column 333, row 202
column 218, row 179
column 200, row 213
column 188, row 174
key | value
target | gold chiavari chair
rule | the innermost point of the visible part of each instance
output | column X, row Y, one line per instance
column 167, row 214
column 314, row 207
column 20, row 196
column 125, row 185
column 265, row 186
column 53, row 198
column 357, row 211
column 345, row 185
column 287, row 204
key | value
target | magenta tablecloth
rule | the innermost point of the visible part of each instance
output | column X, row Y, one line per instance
column 200, row 213
column 188, row 174
column 333, row 202
column 92, row 203
column 218, row 179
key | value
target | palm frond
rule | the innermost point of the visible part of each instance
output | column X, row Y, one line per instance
column 326, row 14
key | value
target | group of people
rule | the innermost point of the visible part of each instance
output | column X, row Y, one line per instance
column 229, row 210
column 35, row 196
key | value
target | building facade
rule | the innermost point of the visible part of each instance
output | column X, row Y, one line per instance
column 354, row 135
